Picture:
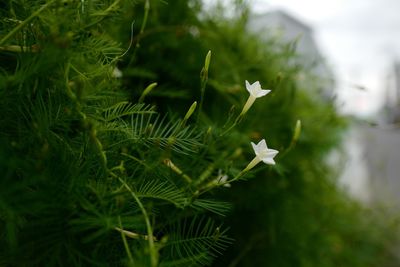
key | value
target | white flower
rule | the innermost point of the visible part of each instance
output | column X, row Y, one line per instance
column 263, row 153
column 255, row 91
column 117, row 73
column 222, row 179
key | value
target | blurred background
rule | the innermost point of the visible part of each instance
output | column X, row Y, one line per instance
column 358, row 39
column 354, row 44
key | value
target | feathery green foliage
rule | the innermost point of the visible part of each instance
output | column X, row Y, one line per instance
column 96, row 174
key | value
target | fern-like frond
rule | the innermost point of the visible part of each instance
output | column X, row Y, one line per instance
column 103, row 49
column 126, row 108
column 198, row 240
column 163, row 191
column 156, row 131
column 215, row 206
column 95, row 221
column 167, row 133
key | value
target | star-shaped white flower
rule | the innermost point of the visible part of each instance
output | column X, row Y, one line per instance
column 263, row 153
column 255, row 89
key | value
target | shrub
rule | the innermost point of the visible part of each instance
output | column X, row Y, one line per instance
column 103, row 170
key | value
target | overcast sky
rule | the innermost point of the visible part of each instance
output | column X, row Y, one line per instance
column 360, row 39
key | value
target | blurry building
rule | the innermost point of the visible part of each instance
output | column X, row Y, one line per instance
column 382, row 155
column 281, row 26
column 351, row 160
column 391, row 111
column 381, row 145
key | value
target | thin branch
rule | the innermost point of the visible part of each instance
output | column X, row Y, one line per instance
column 122, row 231
column 25, row 22
column 152, row 248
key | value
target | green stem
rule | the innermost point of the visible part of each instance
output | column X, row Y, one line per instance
column 230, row 128
column 212, row 184
column 25, row 22
column 128, row 251
column 204, row 80
column 239, row 118
column 111, row 7
column 146, row 15
column 202, row 92
column 19, row 49
column 152, row 248
column 104, row 14
column 174, row 168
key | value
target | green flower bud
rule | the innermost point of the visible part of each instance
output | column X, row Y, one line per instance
column 207, row 61
column 147, row 91
column 190, row 111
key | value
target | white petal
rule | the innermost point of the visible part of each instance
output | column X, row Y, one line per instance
column 269, row 161
column 268, row 157
column 262, row 93
column 260, row 149
column 256, row 85
column 248, row 87
column 262, row 145
column 272, row 152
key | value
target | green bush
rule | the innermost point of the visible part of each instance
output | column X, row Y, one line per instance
column 100, row 171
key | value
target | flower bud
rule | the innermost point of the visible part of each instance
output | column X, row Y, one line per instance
column 297, row 131
column 207, row 61
column 147, row 91
column 190, row 111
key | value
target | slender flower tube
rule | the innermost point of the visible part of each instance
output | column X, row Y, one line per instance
column 255, row 91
